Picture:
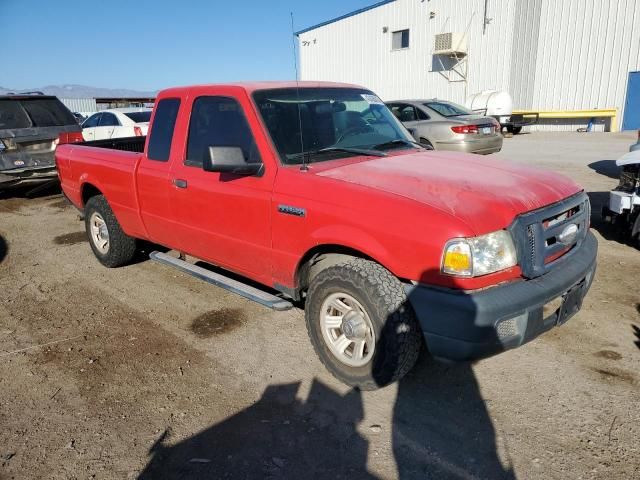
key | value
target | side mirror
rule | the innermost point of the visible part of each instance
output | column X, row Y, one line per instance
column 229, row 160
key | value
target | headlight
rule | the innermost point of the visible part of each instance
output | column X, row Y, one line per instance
column 472, row 257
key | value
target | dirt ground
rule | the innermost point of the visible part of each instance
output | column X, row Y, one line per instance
column 143, row 372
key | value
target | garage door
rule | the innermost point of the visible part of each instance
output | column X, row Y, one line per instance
column 632, row 105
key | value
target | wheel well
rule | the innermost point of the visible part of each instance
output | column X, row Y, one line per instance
column 89, row 191
column 426, row 141
column 319, row 258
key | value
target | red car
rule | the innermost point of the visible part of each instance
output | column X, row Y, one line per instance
column 317, row 191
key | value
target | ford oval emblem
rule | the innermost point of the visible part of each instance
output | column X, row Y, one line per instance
column 568, row 234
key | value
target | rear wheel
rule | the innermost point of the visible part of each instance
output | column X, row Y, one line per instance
column 111, row 246
column 514, row 130
column 360, row 324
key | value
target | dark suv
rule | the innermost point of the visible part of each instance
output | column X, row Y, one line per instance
column 31, row 126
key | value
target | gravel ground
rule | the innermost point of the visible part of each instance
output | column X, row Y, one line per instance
column 143, row 372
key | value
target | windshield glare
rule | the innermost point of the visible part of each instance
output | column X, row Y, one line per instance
column 330, row 118
column 447, row 109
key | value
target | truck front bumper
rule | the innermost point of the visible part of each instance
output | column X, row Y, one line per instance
column 461, row 326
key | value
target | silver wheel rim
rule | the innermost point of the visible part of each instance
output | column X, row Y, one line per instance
column 99, row 232
column 347, row 329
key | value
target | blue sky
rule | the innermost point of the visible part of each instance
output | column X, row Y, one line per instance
column 149, row 45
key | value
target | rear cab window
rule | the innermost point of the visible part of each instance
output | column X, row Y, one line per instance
column 162, row 128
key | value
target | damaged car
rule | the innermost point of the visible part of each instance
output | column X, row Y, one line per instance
column 31, row 127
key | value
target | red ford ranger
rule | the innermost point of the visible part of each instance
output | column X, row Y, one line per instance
column 317, row 191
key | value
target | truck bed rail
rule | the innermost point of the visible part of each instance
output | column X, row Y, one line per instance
column 127, row 144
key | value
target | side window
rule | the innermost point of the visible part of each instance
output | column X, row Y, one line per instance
column 108, row 120
column 220, row 122
column 92, row 121
column 395, row 109
column 162, row 128
column 422, row 115
column 405, row 113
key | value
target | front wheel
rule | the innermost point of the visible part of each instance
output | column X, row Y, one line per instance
column 111, row 246
column 360, row 324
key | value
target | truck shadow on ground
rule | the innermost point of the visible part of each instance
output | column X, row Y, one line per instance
column 608, row 168
column 440, row 428
column 4, row 248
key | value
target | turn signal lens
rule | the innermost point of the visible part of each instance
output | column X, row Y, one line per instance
column 475, row 256
column 457, row 258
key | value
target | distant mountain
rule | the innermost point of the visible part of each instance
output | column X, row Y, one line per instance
column 81, row 91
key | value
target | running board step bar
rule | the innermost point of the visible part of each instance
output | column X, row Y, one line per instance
column 235, row 286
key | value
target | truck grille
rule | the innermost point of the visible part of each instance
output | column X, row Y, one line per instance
column 545, row 236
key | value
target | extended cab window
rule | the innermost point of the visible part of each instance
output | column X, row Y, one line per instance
column 219, row 122
column 162, row 128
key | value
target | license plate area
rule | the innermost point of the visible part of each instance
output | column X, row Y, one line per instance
column 486, row 130
column 562, row 308
column 572, row 301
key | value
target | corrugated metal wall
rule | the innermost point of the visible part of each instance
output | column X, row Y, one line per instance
column 80, row 104
column 549, row 54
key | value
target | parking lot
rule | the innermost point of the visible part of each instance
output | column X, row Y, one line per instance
column 143, row 372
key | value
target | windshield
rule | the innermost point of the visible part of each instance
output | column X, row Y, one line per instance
column 36, row 112
column 139, row 117
column 331, row 119
column 448, row 109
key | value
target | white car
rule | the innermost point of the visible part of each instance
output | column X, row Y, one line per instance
column 116, row 123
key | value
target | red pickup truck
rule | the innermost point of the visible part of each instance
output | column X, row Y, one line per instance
column 317, row 191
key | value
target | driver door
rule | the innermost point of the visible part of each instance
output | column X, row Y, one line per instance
column 224, row 218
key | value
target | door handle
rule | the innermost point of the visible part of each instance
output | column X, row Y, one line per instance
column 178, row 182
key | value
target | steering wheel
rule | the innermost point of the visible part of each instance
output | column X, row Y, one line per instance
column 353, row 130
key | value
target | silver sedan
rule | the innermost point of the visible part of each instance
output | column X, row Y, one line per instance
column 447, row 126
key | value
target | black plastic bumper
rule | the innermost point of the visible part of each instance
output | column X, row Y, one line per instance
column 470, row 325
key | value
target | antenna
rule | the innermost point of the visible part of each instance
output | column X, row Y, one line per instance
column 295, row 66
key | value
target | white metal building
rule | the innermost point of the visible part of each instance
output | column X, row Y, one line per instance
column 551, row 55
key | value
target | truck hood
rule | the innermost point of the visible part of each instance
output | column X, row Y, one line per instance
column 486, row 194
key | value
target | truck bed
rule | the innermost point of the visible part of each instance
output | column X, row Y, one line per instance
column 127, row 144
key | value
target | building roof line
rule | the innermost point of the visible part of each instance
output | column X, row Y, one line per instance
column 347, row 15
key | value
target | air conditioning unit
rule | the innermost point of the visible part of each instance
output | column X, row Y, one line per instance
column 450, row 44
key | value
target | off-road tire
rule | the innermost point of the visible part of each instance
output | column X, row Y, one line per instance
column 514, row 130
column 122, row 247
column 398, row 335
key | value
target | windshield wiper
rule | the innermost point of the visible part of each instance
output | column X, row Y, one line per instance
column 356, row 151
column 393, row 143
